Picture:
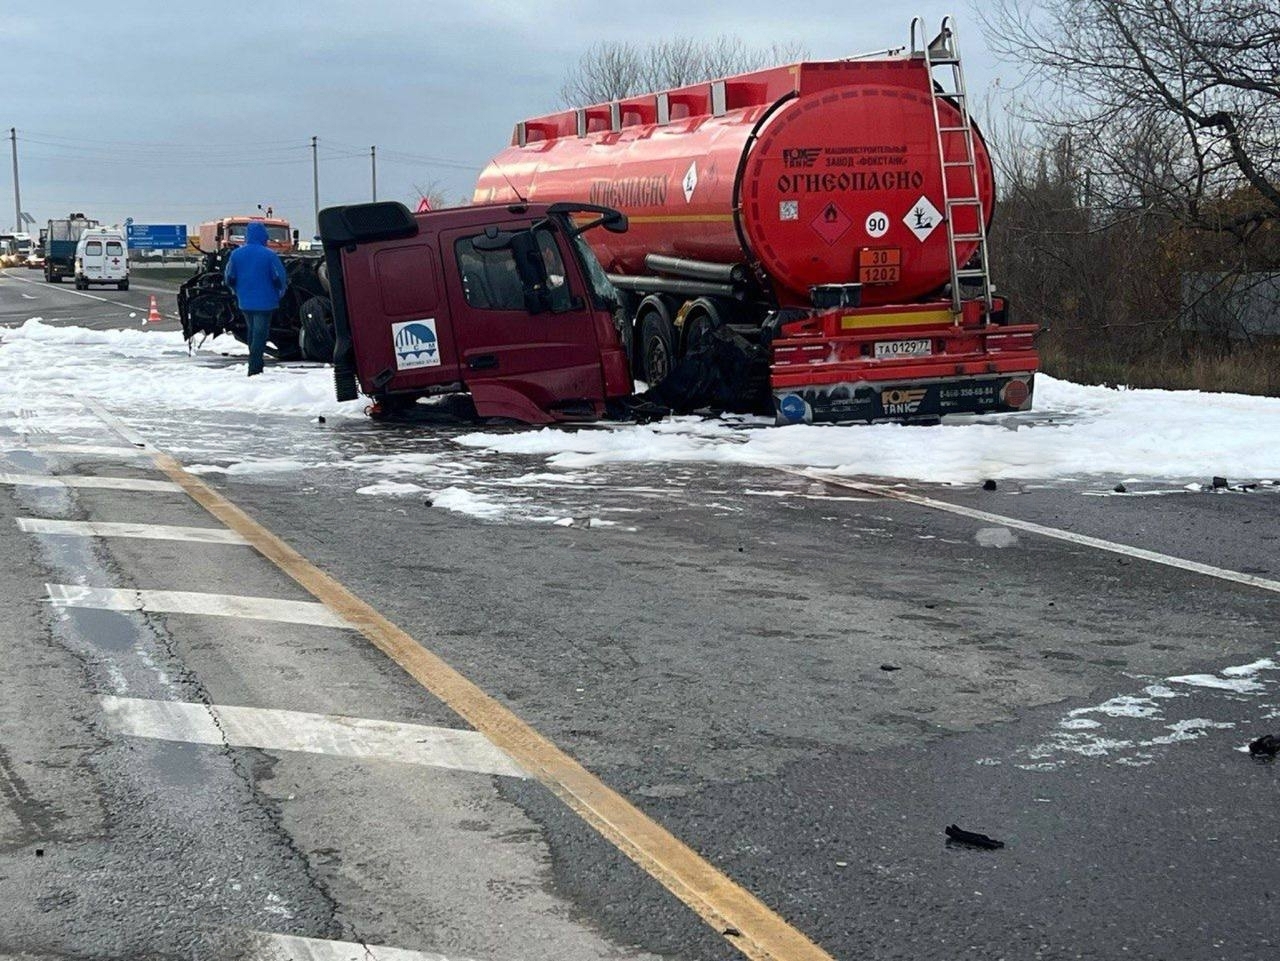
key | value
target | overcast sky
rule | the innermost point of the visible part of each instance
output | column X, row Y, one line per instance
column 177, row 113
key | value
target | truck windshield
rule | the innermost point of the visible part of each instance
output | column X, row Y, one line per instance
column 603, row 294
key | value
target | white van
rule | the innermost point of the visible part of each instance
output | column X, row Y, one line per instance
column 101, row 258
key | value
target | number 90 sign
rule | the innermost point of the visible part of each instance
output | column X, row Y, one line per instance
column 877, row 224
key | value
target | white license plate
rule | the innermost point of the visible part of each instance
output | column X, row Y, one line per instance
column 888, row 349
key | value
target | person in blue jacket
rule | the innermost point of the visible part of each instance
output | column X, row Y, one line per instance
column 257, row 277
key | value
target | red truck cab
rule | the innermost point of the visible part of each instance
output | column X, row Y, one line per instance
column 504, row 302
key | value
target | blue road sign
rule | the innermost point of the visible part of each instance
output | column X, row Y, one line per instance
column 156, row 236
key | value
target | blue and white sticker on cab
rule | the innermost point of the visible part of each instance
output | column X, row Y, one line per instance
column 416, row 344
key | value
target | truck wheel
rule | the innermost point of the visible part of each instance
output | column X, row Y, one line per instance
column 316, row 339
column 657, row 350
column 123, row 285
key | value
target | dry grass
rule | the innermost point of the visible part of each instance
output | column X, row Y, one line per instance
column 1244, row 370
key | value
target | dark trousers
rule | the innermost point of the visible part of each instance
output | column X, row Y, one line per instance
column 259, row 324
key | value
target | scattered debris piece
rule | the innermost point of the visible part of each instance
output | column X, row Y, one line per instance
column 1219, row 483
column 731, row 932
column 890, row 667
column 1266, row 746
column 988, row 485
column 1120, row 489
column 960, row 836
column 321, row 419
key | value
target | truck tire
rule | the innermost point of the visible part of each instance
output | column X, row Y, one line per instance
column 316, row 338
column 656, row 347
column 123, row 285
column 701, row 317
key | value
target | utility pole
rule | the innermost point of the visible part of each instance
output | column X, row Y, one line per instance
column 315, row 181
column 17, row 199
column 373, row 163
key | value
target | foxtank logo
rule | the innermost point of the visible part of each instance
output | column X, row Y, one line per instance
column 416, row 344
column 794, row 157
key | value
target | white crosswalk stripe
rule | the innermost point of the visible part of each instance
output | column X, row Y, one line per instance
column 160, row 532
column 90, row 481
column 276, row 730
column 191, row 602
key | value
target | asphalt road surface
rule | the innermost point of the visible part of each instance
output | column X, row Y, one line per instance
column 803, row 682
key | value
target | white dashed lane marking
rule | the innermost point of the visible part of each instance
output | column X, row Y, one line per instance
column 275, row 730
column 90, row 481
column 159, row 532
column 88, row 450
column 1097, row 543
column 191, row 602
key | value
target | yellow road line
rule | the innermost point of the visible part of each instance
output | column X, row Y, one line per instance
column 744, row 920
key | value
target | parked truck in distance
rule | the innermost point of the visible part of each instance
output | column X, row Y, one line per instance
column 61, row 238
column 229, row 232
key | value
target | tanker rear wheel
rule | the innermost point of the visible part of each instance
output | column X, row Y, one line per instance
column 657, row 347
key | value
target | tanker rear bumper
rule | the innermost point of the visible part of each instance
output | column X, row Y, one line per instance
column 984, row 370
column 904, row 400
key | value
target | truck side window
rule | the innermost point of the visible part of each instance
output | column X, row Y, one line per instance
column 557, row 279
column 93, row 248
column 114, row 249
column 490, row 279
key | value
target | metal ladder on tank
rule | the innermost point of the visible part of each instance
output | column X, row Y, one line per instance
column 942, row 51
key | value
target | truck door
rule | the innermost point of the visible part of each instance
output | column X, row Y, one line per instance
column 399, row 318
column 518, row 359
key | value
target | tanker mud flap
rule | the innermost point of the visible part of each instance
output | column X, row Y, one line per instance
column 865, row 402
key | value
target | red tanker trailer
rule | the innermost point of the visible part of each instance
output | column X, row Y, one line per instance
column 835, row 210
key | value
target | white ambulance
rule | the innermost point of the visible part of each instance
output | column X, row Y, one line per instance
column 101, row 258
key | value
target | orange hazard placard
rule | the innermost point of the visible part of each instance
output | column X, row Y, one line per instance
column 879, row 265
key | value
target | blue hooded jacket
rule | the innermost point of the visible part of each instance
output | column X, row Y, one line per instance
column 254, row 271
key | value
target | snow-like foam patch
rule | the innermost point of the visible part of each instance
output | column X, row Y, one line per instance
column 1081, row 732
column 390, row 488
column 1240, row 685
column 1076, row 431
column 272, row 465
column 126, row 369
column 463, row 501
column 1249, row 670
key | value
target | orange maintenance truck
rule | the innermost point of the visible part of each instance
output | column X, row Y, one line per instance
column 229, row 232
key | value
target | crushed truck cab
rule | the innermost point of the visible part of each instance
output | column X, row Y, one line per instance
column 504, row 302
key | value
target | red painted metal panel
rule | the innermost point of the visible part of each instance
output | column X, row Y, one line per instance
column 848, row 161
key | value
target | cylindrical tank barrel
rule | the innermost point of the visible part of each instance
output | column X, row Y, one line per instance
column 835, row 181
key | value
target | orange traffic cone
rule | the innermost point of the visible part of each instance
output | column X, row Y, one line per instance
column 153, row 315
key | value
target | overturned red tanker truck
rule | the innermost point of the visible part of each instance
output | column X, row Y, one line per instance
column 834, row 213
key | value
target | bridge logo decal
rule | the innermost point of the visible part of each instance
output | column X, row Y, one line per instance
column 416, row 344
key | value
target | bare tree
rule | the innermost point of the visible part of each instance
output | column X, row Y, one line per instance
column 1194, row 82
column 612, row 70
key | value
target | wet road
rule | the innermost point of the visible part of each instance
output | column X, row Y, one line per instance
column 803, row 682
